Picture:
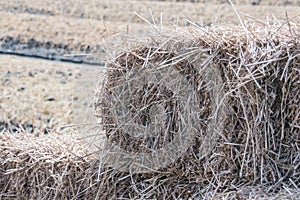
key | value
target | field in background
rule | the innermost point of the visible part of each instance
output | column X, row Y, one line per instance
column 40, row 94
column 51, row 28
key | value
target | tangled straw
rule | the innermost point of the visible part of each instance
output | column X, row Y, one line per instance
column 257, row 68
column 54, row 166
column 154, row 99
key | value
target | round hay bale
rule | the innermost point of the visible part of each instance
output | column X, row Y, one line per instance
column 155, row 104
column 257, row 143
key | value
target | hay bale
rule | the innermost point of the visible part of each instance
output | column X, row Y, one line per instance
column 152, row 99
column 260, row 64
column 258, row 76
column 55, row 166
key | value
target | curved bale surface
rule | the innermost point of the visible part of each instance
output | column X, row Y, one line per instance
column 155, row 97
column 252, row 115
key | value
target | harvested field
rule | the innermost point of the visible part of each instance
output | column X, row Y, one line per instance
column 51, row 29
column 43, row 96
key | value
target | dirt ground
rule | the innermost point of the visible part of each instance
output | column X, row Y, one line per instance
column 45, row 96
column 40, row 92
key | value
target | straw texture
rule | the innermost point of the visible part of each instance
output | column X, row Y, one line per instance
column 257, row 104
column 54, row 166
column 200, row 113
